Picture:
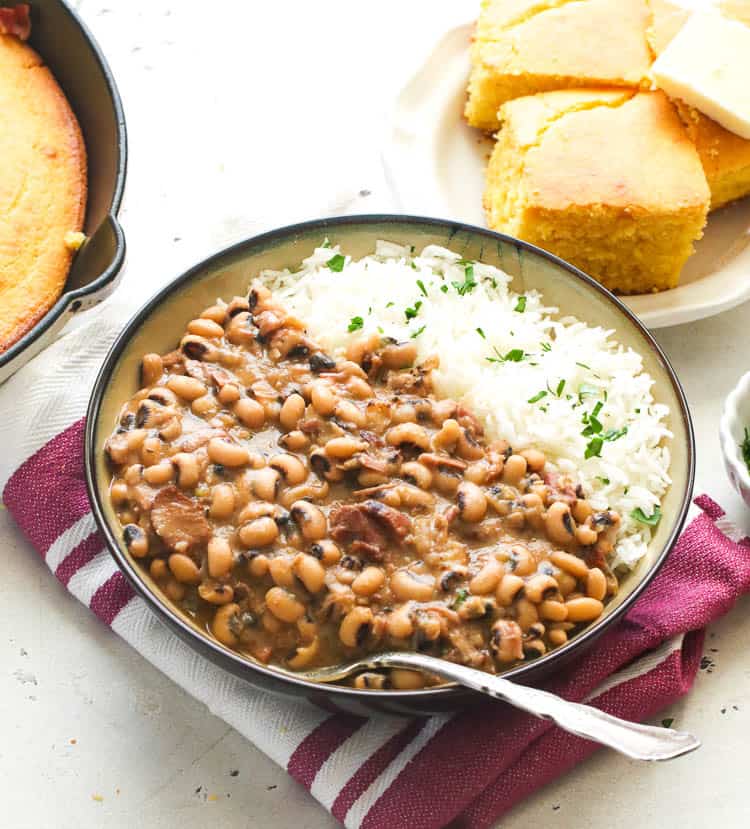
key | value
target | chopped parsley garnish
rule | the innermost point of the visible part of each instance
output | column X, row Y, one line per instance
column 336, row 262
column 515, row 355
column 615, row 434
column 745, row 447
column 422, row 287
column 326, row 243
column 413, row 266
column 546, row 346
column 537, row 397
column 389, row 304
column 593, row 427
column 583, row 365
column 605, row 481
column 667, row 722
column 560, row 387
column 520, row 305
column 650, row 520
column 469, row 282
column 410, row 313
column 594, row 448
column 355, row 324
column 461, row 596
column 584, row 390
column 481, row 333
column 418, row 332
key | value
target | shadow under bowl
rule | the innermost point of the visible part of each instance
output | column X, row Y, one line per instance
column 158, row 326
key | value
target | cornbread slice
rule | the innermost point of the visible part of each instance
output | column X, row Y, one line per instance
column 607, row 179
column 42, row 188
column 725, row 156
column 527, row 46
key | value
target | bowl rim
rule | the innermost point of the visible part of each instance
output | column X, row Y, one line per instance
column 67, row 298
column 729, row 445
column 241, row 666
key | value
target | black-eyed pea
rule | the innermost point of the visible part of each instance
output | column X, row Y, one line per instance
column 280, row 570
column 559, row 523
column 534, row 648
column 256, row 509
column 403, row 679
column 226, row 453
column 223, row 501
column 326, row 551
column 310, row 572
column 472, row 502
column 348, row 412
column 160, row 473
column 308, row 629
column 468, row 447
column 310, row 519
column 292, row 412
column 228, row 394
column 174, row 590
column 596, row 584
column 570, row 564
column 258, row 566
column 488, row 578
column 295, row 441
column 535, row 460
column 224, row 623
column 403, row 413
column 308, row 491
column 368, row 477
column 447, row 437
column 322, row 398
column 557, row 637
column 188, row 470
column 553, row 611
column 152, row 368
column 406, row 585
column 250, row 413
column 585, row 535
column 506, row 641
column 358, row 349
column 290, row 467
column 541, row 587
column 409, row 435
column 217, row 313
column 369, row 581
column 514, row 469
column 356, row 626
column 399, row 355
column 582, row 510
column 215, row 592
column 204, row 327
column 399, row 623
column 259, row 533
column 477, row 473
column 370, row 681
column 344, row 447
column 219, row 557
column 566, row 583
column 509, row 588
column 171, row 430
column 265, row 484
column 184, row 569
column 284, row 605
column 522, row 562
column 135, row 540
column 410, row 497
column 151, row 451
column 158, row 569
column 359, row 388
column 304, row 655
column 416, row 473
column 584, row 609
column 188, row 388
column 526, row 613
column 119, row 492
column 135, row 439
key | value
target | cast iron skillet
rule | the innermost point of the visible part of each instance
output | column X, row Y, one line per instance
column 160, row 323
column 77, row 63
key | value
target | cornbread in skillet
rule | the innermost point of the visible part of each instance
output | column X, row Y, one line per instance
column 608, row 180
column 42, row 188
column 527, row 46
column 725, row 156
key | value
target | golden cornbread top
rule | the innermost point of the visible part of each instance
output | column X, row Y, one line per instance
column 589, row 148
column 591, row 40
column 42, row 188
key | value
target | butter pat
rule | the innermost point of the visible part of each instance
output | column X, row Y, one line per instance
column 707, row 65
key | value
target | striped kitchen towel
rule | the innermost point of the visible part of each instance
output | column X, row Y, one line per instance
column 371, row 771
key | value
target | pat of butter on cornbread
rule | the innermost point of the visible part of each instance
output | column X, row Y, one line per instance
column 606, row 179
column 707, row 65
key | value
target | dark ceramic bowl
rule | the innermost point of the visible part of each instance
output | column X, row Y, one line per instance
column 77, row 63
column 158, row 326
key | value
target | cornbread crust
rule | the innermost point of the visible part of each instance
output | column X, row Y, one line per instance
column 526, row 46
column 725, row 156
column 607, row 179
column 42, row 188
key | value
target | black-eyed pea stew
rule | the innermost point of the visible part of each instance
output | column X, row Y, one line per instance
column 307, row 510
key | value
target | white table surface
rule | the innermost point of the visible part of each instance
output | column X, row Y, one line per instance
column 242, row 116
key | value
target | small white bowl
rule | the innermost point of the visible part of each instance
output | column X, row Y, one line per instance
column 735, row 418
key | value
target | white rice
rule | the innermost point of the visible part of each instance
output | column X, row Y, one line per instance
column 471, row 329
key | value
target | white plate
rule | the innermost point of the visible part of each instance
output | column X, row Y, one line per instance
column 435, row 163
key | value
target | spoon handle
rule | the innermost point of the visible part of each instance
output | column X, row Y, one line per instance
column 641, row 742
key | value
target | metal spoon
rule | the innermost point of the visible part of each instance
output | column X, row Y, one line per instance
column 641, row 742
